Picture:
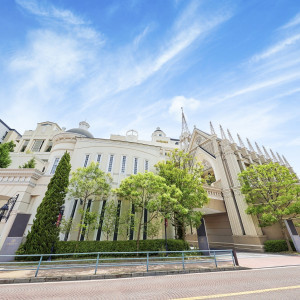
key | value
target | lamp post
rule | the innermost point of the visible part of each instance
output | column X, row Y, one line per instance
column 6, row 209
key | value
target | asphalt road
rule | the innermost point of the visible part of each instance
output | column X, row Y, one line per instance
column 272, row 283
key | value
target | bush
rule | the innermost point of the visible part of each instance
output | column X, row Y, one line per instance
column 277, row 246
column 119, row 246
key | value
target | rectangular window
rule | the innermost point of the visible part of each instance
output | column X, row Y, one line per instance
column 24, row 146
column 146, row 165
column 99, row 158
column 110, row 163
column 135, row 165
column 49, row 146
column 37, row 145
column 55, row 164
column 117, row 221
column 123, row 164
column 86, row 160
column 98, row 237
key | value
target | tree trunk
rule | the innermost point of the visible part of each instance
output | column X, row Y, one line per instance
column 81, row 220
column 285, row 235
column 139, row 233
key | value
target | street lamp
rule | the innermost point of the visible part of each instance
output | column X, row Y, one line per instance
column 6, row 209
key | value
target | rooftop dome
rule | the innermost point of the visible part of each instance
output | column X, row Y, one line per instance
column 82, row 130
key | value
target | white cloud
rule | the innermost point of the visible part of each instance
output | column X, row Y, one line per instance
column 44, row 10
column 188, row 105
column 282, row 45
column 293, row 22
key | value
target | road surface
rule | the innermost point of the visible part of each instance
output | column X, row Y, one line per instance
column 270, row 283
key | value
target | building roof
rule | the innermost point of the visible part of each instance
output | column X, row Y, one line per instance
column 81, row 131
column 9, row 127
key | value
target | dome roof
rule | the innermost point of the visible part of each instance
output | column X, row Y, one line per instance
column 81, row 132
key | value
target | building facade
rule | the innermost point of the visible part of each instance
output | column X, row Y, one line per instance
column 226, row 223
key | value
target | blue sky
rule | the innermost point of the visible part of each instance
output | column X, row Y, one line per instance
column 133, row 63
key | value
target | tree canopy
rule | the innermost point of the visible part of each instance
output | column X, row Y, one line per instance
column 5, row 159
column 29, row 165
column 44, row 233
column 148, row 191
column 89, row 183
column 272, row 193
column 182, row 171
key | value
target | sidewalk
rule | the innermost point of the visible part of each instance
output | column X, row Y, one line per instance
column 267, row 260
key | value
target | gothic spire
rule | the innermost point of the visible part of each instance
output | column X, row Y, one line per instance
column 230, row 136
column 266, row 153
column 250, row 146
column 280, row 159
column 212, row 130
column 185, row 136
column 273, row 155
column 258, row 149
column 240, row 141
column 286, row 162
column 223, row 133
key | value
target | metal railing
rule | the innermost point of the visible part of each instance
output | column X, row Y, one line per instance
column 97, row 260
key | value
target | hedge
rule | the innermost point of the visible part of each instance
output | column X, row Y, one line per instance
column 277, row 246
column 119, row 246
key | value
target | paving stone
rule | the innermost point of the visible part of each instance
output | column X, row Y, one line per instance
column 21, row 280
column 68, row 278
column 83, row 277
column 47, row 279
column 97, row 276
column 37, row 279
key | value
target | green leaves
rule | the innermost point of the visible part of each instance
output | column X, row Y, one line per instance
column 29, row 165
column 272, row 193
column 44, row 231
column 5, row 159
column 182, row 172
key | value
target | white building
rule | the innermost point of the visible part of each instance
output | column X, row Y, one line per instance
column 227, row 224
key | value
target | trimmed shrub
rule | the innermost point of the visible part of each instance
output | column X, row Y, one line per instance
column 119, row 246
column 277, row 246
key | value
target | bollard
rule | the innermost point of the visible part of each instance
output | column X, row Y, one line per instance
column 183, row 267
column 147, row 261
column 96, row 267
column 215, row 259
column 38, row 267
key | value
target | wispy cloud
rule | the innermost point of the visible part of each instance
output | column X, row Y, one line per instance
column 293, row 22
column 46, row 10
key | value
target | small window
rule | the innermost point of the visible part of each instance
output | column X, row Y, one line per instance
column 24, row 146
column 49, row 146
column 86, row 160
column 146, row 165
column 99, row 158
column 110, row 164
column 123, row 165
column 5, row 134
column 135, row 165
column 55, row 164
column 37, row 145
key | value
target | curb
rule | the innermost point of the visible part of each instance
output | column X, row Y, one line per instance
column 115, row 276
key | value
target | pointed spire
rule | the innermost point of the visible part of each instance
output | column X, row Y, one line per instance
column 258, row 149
column 212, row 130
column 240, row 141
column 286, row 162
column 280, row 159
column 250, row 146
column 185, row 136
column 273, row 155
column 223, row 133
column 266, row 153
column 230, row 136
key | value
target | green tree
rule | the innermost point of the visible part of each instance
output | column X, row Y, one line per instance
column 29, row 165
column 109, row 219
column 272, row 193
column 89, row 183
column 44, row 232
column 182, row 171
column 89, row 224
column 5, row 159
column 147, row 191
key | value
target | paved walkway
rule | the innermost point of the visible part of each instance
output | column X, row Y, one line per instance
column 265, row 260
column 280, row 283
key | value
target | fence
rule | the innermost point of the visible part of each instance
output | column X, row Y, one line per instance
column 97, row 260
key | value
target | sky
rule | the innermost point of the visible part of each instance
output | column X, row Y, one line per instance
column 132, row 64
